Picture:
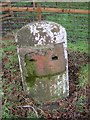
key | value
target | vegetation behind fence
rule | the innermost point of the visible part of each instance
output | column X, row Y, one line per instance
column 76, row 24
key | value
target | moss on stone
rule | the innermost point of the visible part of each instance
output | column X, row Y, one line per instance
column 30, row 66
column 31, row 71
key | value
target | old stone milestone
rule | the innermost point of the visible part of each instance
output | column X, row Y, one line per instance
column 42, row 54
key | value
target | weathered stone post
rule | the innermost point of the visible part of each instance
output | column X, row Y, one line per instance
column 42, row 53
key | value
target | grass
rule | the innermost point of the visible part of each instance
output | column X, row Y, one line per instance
column 76, row 25
column 77, row 30
column 11, row 59
column 1, row 92
column 80, row 103
column 75, row 5
column 83, row 77
column 81, row 46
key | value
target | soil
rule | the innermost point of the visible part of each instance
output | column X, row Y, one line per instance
column 64, row 109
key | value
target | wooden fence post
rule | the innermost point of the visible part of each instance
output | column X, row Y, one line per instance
column 39, row 12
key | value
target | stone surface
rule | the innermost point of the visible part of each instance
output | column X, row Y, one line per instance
column 47, row 61
column 42, row 53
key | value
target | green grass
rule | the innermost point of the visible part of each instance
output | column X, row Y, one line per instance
column 21, row 4
column 83, row 81
column 83, row 77
column 1, row 52
column 77, row 30
column 76, row 25
column 80, row 103
column 66, row 5
column 81, row 46
column 9, row 47
column 1, row 92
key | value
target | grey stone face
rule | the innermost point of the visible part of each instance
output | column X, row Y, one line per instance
column 34, row 40
column 41, row 33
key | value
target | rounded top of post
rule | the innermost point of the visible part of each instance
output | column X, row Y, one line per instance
column 41, row 33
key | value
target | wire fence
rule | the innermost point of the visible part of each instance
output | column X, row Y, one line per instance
column 76, row 24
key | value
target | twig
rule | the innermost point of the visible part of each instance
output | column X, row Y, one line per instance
column 28, row 106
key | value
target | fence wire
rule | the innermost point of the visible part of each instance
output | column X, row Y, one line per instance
column 76, row 24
